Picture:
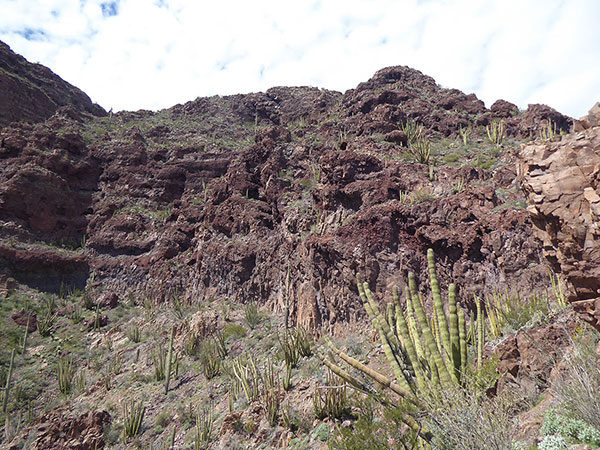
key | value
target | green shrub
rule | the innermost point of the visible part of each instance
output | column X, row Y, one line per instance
column 252, row 315
column 576, row 430
column 552, row 443
column 234, row 331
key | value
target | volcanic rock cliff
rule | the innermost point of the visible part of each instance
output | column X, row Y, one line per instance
column 222, row 196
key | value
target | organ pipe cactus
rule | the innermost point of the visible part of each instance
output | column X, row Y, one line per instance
column 425, row 352
column 8, row 379
column 169, row 360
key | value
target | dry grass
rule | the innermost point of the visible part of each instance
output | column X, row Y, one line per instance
column 578, row 391
column 461, row 419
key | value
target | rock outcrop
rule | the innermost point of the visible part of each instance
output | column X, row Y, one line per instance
column 561, row 179
column 57, row 432
column 32, row 92
column 220, row 196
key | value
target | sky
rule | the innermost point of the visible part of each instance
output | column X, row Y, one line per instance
column 153, row 54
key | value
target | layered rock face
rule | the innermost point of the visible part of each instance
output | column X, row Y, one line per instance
column 32, row 92
column 561, row 179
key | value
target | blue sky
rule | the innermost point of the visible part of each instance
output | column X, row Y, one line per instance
column 152, row 54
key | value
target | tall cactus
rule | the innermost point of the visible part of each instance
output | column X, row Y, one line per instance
column 480, row 333
column 440, row 315
column 454, row 330
column 8, row 377
column 462, row 331
column 169, row 360
column 423, row 352
column 24, row 340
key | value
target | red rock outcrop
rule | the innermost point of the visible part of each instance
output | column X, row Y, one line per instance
column 56, row 432
column 32, row 92
column 561, row 180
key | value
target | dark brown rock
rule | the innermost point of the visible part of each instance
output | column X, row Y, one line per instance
column 102, row 321
column 107, row 300
column 397, row 137
column 56, row 432
column 219, row 196
column 538, row 117
column 503, row 109
column 25, row 319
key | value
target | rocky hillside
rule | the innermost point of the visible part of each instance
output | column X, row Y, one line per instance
column 32, row 92
column 219, row 197
column 229, row 218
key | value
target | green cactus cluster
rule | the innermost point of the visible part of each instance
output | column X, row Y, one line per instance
column 65, row 372
column 495, row 132
column 330, row 400
column 133, row 415
column 8, row 380
column 425, row 353
column 165, row 364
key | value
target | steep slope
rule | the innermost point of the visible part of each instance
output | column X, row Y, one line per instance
column 32, row 92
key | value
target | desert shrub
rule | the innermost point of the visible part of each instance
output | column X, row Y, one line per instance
column 508, row 313
column 191, row 345
column 204, row 428
column 163, row 419
column 133, row 415
column 271, row 394
column 134, row 334
column 461, row 419
column 65, row 372
column 234, row 331
column 210, row 360
column 420, row 150
column 46, row 322
column 577, row 392
column 289, row 348
column 575, row 430
column 552, row 443
column 158, row 355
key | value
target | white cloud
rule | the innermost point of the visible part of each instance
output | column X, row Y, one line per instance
column 155, row 54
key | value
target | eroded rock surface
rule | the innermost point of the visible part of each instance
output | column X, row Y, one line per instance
column 561, row 180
